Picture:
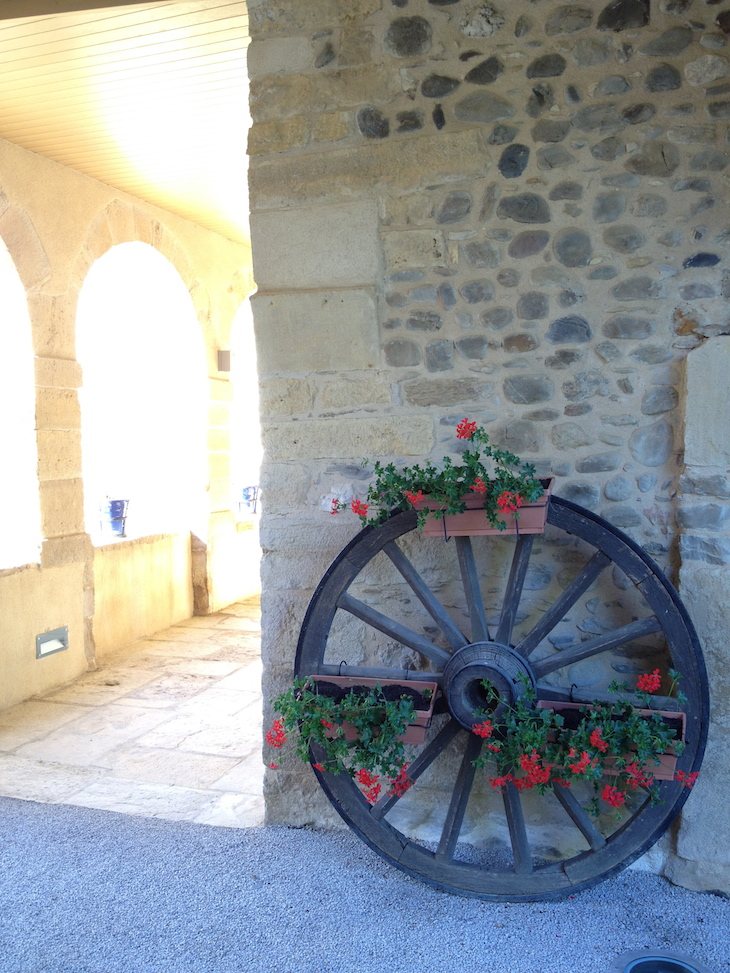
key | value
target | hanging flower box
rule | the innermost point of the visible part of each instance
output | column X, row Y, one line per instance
column 528, row 519
column 666, row 766
column 422, row 694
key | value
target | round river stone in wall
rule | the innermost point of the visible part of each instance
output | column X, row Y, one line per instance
column 668, row 44
column 475, row 347
column 477, row 291
column 372, row 123
column 664, row 77
column 624, row 239
column 652, row 445
column 569, row 330
column 664, row 398
column 497, row 318
column 567, row 190
column 641, row 288
column 481, row 254
column 481, row 107
column 438, row 86
column 629, row 327
column 619, row 488
column 532, row 306
column 455, row 208
column 524, row 389
column 612, row 84
column 520, row 343
column 636, row 114
column 608, row 207
column 581, row 493
column 650, row 205
column 527, row 244
column 654, row 159
column 524, row 208
column 513, row 161
column 486, row 72
column 408, row 37
column 590, row 51
column 547, row 66
column 624, row 15
column 400, row 354
column 601, row 119
column 540, row 100
column 573, row 248
column 568, row 20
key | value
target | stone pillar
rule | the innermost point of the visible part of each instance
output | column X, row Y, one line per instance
column 702, row 858
column 511, row 212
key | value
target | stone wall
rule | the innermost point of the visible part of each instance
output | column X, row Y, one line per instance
column 516, row 212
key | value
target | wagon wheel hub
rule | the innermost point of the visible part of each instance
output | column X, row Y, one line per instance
column 506, row 670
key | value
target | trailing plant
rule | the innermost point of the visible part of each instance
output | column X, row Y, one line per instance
column 378, row 722
column 539, row 748
column 499, row 477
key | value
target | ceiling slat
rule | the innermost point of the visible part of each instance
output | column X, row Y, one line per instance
column 150, row 98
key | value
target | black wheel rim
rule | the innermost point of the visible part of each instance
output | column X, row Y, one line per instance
column 595, row 552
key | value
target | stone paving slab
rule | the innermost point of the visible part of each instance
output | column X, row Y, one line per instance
column 48, row 783
column 33, row 720
column 169, row 727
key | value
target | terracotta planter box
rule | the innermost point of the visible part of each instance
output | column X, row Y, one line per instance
column 473, row 520
column 415, row 733
column 667, row 765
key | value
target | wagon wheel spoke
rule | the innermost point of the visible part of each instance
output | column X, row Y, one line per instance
column 579, row 817
column 459, row 799
column 421, row 763
column 584, row 650
column 565, row 602
column 513, row 591
column 517, row 830
column 388, row 626
column 427, row 598
column 472, row 589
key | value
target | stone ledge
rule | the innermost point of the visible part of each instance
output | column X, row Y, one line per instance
column 406, row 164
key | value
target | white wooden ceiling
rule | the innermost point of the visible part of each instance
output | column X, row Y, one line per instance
column 151, row 98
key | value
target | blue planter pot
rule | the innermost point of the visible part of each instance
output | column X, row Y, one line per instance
column 113, row 515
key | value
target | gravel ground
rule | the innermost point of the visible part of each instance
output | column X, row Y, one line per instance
column 85, row 891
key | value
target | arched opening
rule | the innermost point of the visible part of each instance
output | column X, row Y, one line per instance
column 144, row 398
column 19, row 499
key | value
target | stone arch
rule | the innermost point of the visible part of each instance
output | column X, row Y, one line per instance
column 122, row 222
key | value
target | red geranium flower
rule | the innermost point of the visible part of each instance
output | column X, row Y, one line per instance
column 649, row 682
column 597, row 740
column 613, row 796
column 483, row 730
column 508, row 501
column 276, row 737
column 465, row 429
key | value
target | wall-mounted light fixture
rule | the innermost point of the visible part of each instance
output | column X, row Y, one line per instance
column 50, row 642
column 224, row 361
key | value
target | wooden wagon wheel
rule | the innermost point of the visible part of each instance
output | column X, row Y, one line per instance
column 444, row 830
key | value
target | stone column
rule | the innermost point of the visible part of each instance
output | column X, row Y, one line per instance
column 702, row 858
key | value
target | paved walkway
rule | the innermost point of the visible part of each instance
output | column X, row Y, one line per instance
column 168, row 728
